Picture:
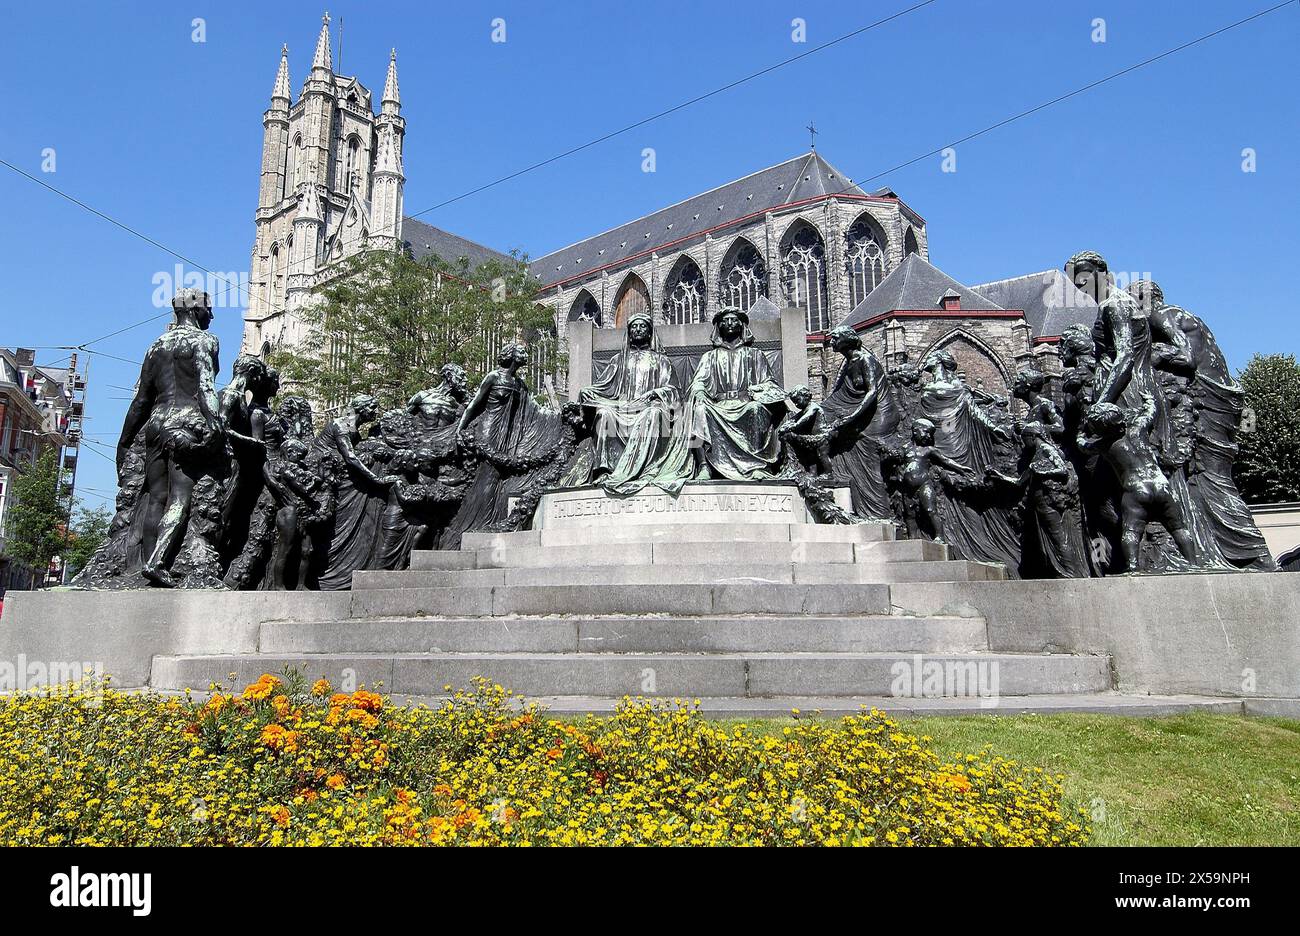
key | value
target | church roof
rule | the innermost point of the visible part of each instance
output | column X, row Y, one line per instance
column 795, row 180
column 1050, row 301
column 916, row 286
column 424, row 239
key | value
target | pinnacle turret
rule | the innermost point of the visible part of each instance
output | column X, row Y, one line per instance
column 322, row 59
column 389, row 158
column 391, row 94
column 281, row 90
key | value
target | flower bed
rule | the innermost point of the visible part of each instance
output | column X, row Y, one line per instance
column 284, row 764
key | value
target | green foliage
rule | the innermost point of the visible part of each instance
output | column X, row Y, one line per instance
column 89, row 530
column 389, row 322
column 1267, row 469
column 34, row 533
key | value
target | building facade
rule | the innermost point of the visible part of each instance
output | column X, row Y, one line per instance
column 41, row 408
column 799, row 233
column 331, row 187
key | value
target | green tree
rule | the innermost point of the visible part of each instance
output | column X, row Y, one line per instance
column 34, row 533
column 1267, row 468
column 89, row 530
column 388, row 322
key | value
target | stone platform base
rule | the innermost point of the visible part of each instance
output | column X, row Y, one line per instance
column 698, row 502
column 755, row 617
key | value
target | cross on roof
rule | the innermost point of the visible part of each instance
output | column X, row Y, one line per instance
column 812, row 135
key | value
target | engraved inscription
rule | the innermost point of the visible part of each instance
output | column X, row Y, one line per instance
column 599, row 506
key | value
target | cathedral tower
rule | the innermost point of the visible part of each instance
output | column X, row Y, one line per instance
column 331, row 186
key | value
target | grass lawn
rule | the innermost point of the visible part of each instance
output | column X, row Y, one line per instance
column 1180, row 780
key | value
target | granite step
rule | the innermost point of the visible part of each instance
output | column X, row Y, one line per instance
column 594, row 634
column 685, row 532
column 683, row 552
column 1091, row 703
column 979, row 677
column 663, row 599
column 954, row 570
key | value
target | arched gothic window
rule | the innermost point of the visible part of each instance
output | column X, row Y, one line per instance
column 864, row 259
column 585, row 308
column 743, row 277
column 272, row 271
column 803, row 274
column 292, row 156
column 354, row 163
column 633, row 297
column 684, row 297
column 909, row 243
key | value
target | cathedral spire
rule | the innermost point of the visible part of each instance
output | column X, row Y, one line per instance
column 281, row 89
column 391, row 95
column 322, row 58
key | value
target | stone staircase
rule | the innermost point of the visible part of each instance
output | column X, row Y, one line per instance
column 753, row 619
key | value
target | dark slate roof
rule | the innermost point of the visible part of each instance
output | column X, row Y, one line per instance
column 805, row 176
column 916, row 285
column 1050, row 301
column 424, row 239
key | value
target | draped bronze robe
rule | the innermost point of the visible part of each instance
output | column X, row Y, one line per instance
column 635, row 400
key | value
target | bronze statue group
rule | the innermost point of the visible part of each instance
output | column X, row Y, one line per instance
column 1122, row 465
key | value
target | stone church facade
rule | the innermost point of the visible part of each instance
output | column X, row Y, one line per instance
column 799, row 233
column 331, row 187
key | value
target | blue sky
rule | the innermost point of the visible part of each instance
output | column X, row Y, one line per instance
column 164, row 134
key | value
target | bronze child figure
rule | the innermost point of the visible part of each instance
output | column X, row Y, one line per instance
column 807, row 432
column 1146, row 495
column 917, row 475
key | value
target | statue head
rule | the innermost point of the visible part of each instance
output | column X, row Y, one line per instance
column 1105, row 420
column 1088, row 271
column 939, row 358
column 246, row 365
column 1077, row 342
column 295, row 450
column 640, row 330
column 365, row 407
column 1148, row 294
column 730, row 323
column 192, row 307
column 453, row 379
column 572, row 414
column 513, row 355
column 844, row 339
column 1026, row 382
column 800, row 396
column 908, row 375
column 922, row 431
column 296, row 411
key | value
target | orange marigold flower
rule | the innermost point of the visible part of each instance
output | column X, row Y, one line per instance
column 321, row 688
column 280, row 815
column 334, row 781
column 262, row 689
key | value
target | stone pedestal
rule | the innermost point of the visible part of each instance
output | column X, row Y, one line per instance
column 716, row 502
